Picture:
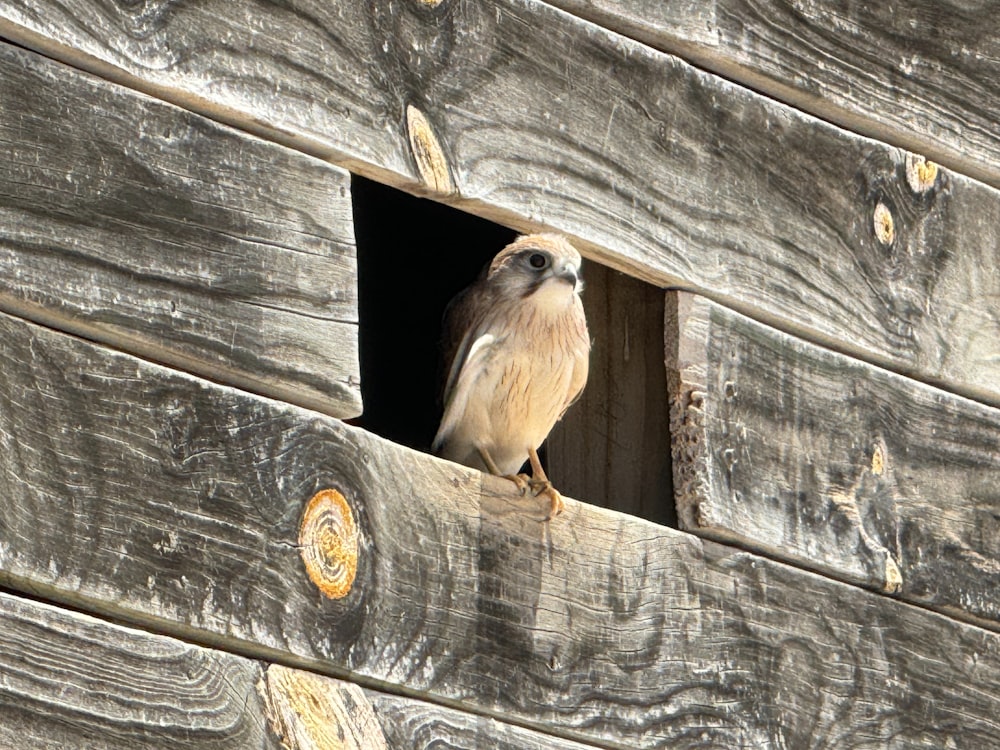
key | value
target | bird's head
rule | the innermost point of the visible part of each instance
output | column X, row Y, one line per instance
column 544, row 267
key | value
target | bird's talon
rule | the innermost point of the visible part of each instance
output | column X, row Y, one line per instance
column 520, row 481
column 544, row 487
column 557, row 503
column 538, row 486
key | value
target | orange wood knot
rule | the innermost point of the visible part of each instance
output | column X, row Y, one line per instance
column 427, row 152
column 885, row 230
column 920, row 173
column 328, row 540
column 309, row 712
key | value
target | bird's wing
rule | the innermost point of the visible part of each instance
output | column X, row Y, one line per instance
column 578, row 381
column 463, row 377
column 467, row 345
column 465, row 319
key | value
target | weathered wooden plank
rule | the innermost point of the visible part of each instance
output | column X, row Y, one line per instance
column 138, row 224
column 922, row 75
column 613, row 446
column 812, row 456
column 164, row 499
column 68, row 680
column 659, row 169
column 417, row 724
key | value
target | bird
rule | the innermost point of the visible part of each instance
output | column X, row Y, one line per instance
column 517, row 352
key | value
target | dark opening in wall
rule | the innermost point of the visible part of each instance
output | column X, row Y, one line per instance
column 414, row 255
column 611, row 449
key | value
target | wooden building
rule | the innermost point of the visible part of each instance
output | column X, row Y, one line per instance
column 221, row 281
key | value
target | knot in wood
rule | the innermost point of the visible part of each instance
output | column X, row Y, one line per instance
column 878, row 460
column 920, row 173
column 893, row 577
column 310, row 712
column 885, row 230
column 328, row 540
column 428, row 155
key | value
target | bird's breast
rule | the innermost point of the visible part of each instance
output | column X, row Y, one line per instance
column 540, row 367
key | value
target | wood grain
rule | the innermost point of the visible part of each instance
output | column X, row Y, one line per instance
column 69, row 680
column 923, row 75
column 135, row 223
column 163, row 499
column 420, row 725
column 613, row 446
column 814, row 457
column 660, row 170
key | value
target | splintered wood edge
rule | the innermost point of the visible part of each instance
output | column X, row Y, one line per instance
column 309, row 712
column 328, row 543
column 684, row 357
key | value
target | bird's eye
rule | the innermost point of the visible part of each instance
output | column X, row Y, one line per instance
column 537, row 260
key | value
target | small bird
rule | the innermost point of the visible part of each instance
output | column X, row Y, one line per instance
column 517, row 348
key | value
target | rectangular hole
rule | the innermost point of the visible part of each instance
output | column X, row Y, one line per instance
column 612, row 448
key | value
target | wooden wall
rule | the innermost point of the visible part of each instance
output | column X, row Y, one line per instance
column 212, row 515
column 195, row 549
column 660, row 169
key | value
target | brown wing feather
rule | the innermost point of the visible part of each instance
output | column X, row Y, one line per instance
column 455, row 341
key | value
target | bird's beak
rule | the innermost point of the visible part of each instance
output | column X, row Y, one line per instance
column 569, row 273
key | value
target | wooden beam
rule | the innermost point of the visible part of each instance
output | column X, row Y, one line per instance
column 232, row 520
column 923, row 75
column 70, row 680
column 660, row 170
column 811, row 456
column 138, row 224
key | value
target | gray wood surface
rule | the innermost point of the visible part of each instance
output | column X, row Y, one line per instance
column 136, row 223
column 420, row 725
column 922, row 75
column 812, row 456
column 520, row 112
column 68, row 680
column 163, row 499
column 613, row 446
